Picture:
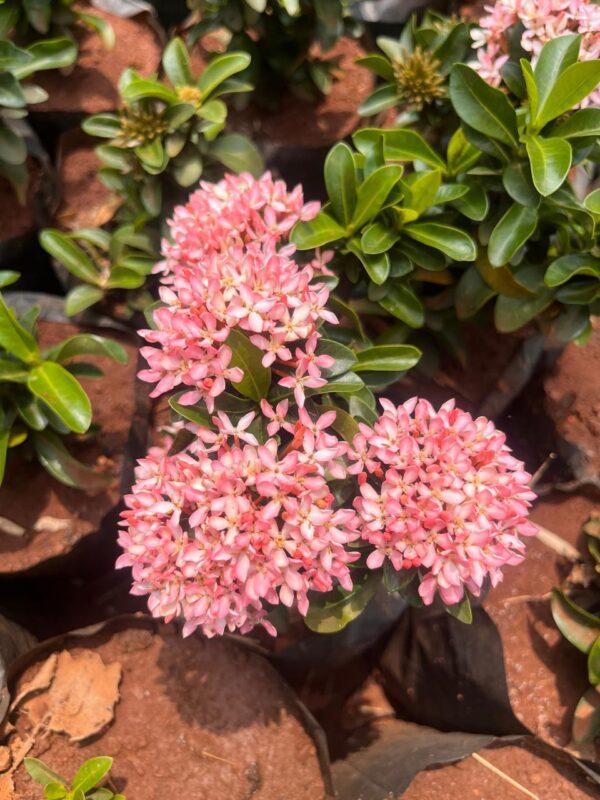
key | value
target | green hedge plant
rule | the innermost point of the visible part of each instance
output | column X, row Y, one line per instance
column 41, row 399
column 171, row 128
column 280, row 36
column 489, row 215
column 30, row 20
column 17, row 92
column 108, row 266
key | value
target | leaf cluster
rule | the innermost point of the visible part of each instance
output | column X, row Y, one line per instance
column 171, row 128
column 84, row 786
column 41, row 398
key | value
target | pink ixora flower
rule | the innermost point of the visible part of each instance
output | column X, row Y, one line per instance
column 214, row 532
column 440, row 491
column 541, row 21
column 228, row 266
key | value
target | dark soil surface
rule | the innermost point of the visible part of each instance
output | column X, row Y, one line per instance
column 91, row 86
column 17, row 219
column 208, row 719
column 85, row 200
column 56, row 517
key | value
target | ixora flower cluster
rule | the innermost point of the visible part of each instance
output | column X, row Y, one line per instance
column 224, row 270
column 541, row 21
column 282, row 504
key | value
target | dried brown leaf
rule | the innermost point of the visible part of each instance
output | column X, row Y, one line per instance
column 40, row 681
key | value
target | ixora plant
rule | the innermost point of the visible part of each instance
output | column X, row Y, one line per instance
column 171, row 129
column 17, row 64
column 84, row 785
column 414, row 68
column 30, row 20
column 282, row 484
column 107, row 264
column 497, row 196
column 41, row 399
column 281, row 36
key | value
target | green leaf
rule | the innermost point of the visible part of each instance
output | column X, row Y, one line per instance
column 484, row 108
column 461, row 610
column 340, row 180
column 102, row 27
column 565, row 267
column 257, row 379
column 237, row 153
column 573, row 86
column 42, row 774
column 594, row 663
column 379, row 65
column 510, row 234
column 12, row 371
column 348, row 383
column 376, row 266
column 550, row 161
column 12, row 147
column 331, row 611
column 455, row 243
column 592, row 201
column 387, row 358
column 378, row 238
column 91, row 773
column 518, row 183
column 12, row 56
column 555, row 56
column 372, row 194
column 584, row 122
column 106, row 126
column 82, row 297
column 56, row 459
column 345, row 358
column 11, row 94
column 220, row 68
column 141, row 88
column 344, row 423
column 421, row 189
column 402, row 303
column 62, row 393
column 381, row 99
column 511, row 313
column 474, row 204
column 319, row 231
column 8, row 277
column 176, row 63
column 70, row 255
column 471, row 293
column 48, row 54
column 55, row 791
column 501, row 279
column 461, row 154
column 195, row 413
column 14, row 338
column 576, row 624
column 399, row 144
column 152, row 155
column 88, row 344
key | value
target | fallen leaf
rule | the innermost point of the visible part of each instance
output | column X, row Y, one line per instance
column 81, row 699
column 40, row 681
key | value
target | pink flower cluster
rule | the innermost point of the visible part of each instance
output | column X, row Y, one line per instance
column 225, row 269
column 214, row 531
column 440, row 491
column 542, row 20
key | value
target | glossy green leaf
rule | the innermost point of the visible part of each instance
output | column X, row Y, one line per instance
column 594, row 663
column 511, row 233
column 91, row 773
column 377, row 267
column 518, row 182
column 550, row 161
column 455, row 243
column 344, row 357
column 48, row 54
column 87, row 344
column 576, row 624
column 55, row 791
column 14, row 338
column 8, row 277
column 511, row 313
column 141, row 88
column 42, row 774
column 56, row 459
column 340, row 181
column 62, row 393
column 461, row 154
column 554, row 58
column 107, row 126
column 421, row 189
column 257, row 379
column 195, row 413
column 383, row 98
column 592, row 201
column 461, row 610
column 387, row 358
column 475, row 203
column 378, row 238
column 321, row 230
column 152, row 155
column 348, row 383
column 220, row 68
column 584, row 122
column 372, row 194
column 573, row 86
column 329, row 612
column 344, row 424
column 399, row 144
column 176, row 63
column 566, row 267
column 501, row 279
column 471, row 294
column 481, row 106
column 402, row 303
column 82, row 297
column 62, row 247
column 379, row 65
